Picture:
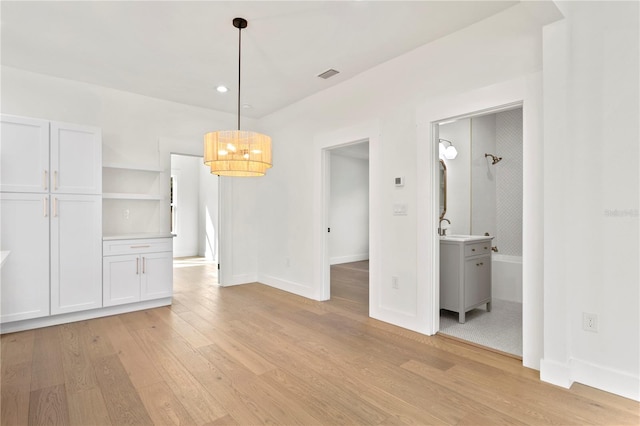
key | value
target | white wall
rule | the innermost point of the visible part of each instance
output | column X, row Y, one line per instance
column 591, row 234
column 186, row 169
column 207, row 213
column 349, row 210
column 290, row 228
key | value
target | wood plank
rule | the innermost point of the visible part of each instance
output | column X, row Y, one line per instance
column 121, row 398
column 78, row 370
column 15, row 392
column 202, row 406
column 88, row 408
column 163, row 406
column 46, row 364
column 49, row 406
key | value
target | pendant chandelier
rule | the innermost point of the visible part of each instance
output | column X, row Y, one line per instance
column 237, row 152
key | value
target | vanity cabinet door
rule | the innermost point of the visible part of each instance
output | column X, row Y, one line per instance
column 478, row 281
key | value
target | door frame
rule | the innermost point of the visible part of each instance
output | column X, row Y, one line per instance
column 526, row 90
column 322, row 151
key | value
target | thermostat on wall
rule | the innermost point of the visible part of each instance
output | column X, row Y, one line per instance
column 400, row 181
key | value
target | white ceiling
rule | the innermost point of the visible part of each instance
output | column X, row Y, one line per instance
column 182, row 50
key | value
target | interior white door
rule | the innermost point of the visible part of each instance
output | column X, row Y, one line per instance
column 24, row 288
column 76, row 159
column 24, row 154
column 76, row 253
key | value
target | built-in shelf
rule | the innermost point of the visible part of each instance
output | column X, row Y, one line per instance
column 125, row 196
column 130, row 167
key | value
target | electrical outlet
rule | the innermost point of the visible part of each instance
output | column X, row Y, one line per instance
column 590, row 322
column 394, row 282
column 126, row 214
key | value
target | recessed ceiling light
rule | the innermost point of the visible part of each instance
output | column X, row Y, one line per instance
column 222, row 89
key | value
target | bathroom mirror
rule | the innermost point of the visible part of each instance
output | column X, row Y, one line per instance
column 443, row 189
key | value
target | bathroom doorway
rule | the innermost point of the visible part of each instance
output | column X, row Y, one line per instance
column 484, row 197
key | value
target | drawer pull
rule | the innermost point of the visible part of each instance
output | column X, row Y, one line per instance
column 486, row 248
column 147, row 246
column 55, row 180
column 137, row 266
column 45, row 206
column 473, row 249
column 45, row 180
column 144, row 262
column 479, row 264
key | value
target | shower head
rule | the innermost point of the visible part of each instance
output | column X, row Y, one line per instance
column 494, row 159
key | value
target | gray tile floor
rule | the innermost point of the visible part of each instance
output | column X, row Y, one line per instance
column 499, row 329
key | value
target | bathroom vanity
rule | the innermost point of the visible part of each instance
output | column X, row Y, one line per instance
column 465, row 273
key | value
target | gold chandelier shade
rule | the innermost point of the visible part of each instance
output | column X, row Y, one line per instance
column 237, row 153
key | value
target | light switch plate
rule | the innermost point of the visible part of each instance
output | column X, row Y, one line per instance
column 399, row 209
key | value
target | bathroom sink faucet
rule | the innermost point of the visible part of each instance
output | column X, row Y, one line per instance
column 442, row 231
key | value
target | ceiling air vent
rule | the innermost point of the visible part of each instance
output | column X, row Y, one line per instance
column 328, row 74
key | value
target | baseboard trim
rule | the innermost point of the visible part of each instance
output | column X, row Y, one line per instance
column 348, row 259
column 241, row 279
column 30, row 324
column 606, row 379
column 289, row 286
column 597, row 376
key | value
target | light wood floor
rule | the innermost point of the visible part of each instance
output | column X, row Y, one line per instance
column 253, row 355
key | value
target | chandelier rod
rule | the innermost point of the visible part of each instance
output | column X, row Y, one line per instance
column 239, row 23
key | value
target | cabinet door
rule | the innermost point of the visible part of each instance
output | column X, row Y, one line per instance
column 24, row 154
column 24, row 288
column 76, row 253
column 477, row 280
column 76, row 159
column 157, row 275
column 121, row 279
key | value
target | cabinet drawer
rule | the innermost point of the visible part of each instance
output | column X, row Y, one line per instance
column 476, row 249
column 117, row 247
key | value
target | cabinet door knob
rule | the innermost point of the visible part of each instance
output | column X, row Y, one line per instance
column 144, row 262
column 55, row 207
column 45, row 174
column 45, row 207
column 55, row 180
column 473, row 249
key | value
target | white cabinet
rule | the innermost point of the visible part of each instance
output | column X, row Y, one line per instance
column 76, row 159
column 24, row 288
column 42, row 156
column 137, row 269
column 24, row 154
column 51, row 218
column 76, row 253
column 465, row 274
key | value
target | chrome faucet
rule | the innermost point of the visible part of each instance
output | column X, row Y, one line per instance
column 441, row 231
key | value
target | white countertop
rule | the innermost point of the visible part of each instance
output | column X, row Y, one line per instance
column 142, row 236
column 3, row 257
column 465, row 238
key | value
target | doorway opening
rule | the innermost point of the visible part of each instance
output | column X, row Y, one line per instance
column 347, row 238
column 483, row 189
column 194, row 205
